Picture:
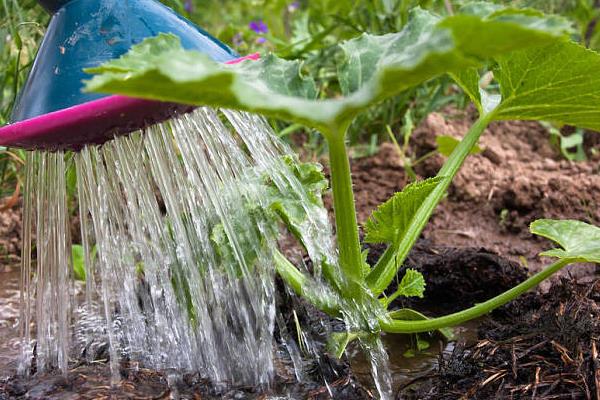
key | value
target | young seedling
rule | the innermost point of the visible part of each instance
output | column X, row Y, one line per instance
column 526, row 52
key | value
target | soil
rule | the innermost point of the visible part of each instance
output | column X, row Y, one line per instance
column 91, row 382
column 442, row 268
column 519, row 177
column 10, row 235
column 543, row 346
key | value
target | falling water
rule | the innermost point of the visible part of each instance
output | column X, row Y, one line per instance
column 177, row 247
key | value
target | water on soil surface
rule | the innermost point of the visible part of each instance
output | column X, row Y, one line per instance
column 406, row 363
column 177, row 247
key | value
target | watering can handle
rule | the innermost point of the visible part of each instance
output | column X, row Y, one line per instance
column 53, row 5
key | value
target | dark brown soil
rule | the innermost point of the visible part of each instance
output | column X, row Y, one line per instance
column 323, row 376
column 92, row 382
column 458, row 278
column 542, row 347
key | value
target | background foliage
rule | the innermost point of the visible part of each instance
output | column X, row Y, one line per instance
column 309, row 30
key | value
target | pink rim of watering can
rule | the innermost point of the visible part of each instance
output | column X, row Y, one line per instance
column 52, row 112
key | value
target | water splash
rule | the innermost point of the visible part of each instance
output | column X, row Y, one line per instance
column 177, row 247
column 380, row 366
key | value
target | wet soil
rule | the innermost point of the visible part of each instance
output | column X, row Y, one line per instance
column 322, row 376
column 540, row 330
column 92, row 382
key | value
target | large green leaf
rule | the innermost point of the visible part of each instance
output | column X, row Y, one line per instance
column 374, row 67
column 558, row 82
column 579, row 241
column 390, row 221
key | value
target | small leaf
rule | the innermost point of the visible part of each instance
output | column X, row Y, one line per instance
column 389, row 221
column 580, row 242
column 412, row 284
column 446, row 145
column 422, row 344
column 410, row 353
column 338, row 341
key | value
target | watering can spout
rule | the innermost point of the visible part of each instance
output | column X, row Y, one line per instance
column 53, row 5
column 52, row 111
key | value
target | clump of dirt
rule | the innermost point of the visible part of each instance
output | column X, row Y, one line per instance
column 458, row 278
column 518, row 178
column 543, row 347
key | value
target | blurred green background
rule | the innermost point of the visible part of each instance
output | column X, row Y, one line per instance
column 305, row 29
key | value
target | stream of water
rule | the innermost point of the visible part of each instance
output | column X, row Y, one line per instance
column 177, row 249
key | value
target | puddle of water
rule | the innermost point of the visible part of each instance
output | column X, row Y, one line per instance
column 9, row 318
column 405, row 367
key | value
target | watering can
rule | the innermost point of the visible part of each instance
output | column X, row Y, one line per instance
column 53, row 113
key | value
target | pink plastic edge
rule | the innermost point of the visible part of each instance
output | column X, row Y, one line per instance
column 73, row 119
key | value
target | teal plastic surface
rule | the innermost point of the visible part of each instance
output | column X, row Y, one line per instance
column 87, row 33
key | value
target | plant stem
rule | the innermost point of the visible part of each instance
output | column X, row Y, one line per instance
column 345, row 214
column 289, row 273
column 475, row 311
column 381, row 276
column 290, row 129
column 304, row 287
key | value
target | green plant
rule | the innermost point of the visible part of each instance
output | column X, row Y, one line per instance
column 310, row 31
column 21, row 29
column 570, row 146
column 525, row 51
column 19, row 36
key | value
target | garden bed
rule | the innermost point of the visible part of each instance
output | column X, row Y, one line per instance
column 477, row 245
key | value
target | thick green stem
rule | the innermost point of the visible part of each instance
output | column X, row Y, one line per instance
column 475, row 311
column 289, row 273
column 381, row 276
column 345, row 214
column 305, row 287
